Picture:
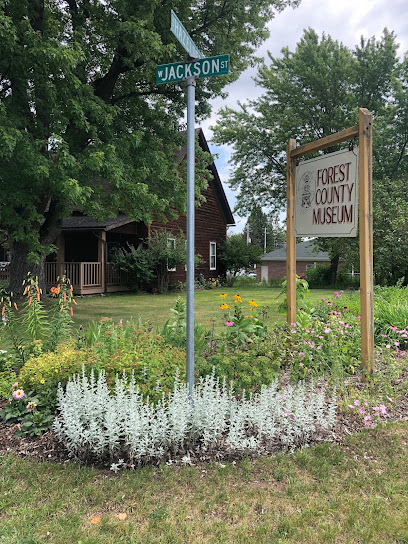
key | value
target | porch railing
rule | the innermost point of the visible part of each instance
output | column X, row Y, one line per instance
column 86, row 276
column 4, row 271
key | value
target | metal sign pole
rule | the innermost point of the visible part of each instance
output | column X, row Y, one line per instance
column 191, row 83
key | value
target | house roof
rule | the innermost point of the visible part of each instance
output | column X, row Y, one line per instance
column 305, row 251
column 83, row 222
column 215, row 181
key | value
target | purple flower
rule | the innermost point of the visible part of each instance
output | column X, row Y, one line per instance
column 322, row 299
column 229, row 323
column 335, row 294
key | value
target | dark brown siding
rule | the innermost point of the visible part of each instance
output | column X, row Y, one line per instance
column 210, row 226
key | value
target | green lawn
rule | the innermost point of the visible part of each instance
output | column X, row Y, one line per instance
column 353, row 493
column 156, row 308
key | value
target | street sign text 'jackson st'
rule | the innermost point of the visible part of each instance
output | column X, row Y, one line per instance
column 178, row 71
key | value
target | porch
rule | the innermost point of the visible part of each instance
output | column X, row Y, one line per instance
column 87, row 278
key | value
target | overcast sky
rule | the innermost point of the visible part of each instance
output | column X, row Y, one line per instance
column 345, row 20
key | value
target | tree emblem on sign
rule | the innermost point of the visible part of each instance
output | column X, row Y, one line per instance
column 306, row 193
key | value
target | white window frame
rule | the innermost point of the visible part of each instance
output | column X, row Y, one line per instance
column 171, row 246
column 213, row 255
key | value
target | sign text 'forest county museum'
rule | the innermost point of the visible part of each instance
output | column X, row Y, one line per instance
column 326, row 195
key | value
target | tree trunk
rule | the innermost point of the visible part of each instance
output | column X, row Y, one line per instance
column 334, row 264
column 19, row 268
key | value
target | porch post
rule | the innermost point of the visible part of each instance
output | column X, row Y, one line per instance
column 60, row 255
column 101, row 258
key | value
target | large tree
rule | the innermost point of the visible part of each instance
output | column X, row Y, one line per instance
column 310, row 93
column 82, row 123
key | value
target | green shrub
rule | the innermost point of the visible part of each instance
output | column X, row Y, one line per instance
column 7, row 375
column 119, row 349
column 43, row 373
column 257, row 365
column 318, row 276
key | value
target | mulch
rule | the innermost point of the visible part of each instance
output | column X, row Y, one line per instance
column 47, row 447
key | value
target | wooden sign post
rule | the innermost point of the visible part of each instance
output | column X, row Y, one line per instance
column 364, row 132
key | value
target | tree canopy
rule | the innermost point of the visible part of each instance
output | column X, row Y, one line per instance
column 236, row 254
column 308, row 94
column 82, row 123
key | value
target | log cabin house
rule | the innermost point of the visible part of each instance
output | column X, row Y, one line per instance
column 85, row 244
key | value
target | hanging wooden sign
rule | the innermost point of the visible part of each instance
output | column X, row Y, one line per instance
column 326, row 195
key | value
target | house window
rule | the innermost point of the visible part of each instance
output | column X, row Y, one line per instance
column 171, row 245
column 213, row 256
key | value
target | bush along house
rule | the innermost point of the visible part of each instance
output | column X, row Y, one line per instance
column 85, row 244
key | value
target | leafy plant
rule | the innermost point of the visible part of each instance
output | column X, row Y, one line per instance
column 138, row 262
column 35, row 331
column 174, row 330
column 242, row 326
column 122, row 428
column 31, row 415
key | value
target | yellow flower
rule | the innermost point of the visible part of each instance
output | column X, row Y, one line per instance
column 223, row 295
column 253, row 303
column 42, row 381
column 56, row 371
column 223, row 306
column 237, row 298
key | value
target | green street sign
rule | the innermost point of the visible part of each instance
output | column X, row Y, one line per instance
column 183, row 37
column 211, row 66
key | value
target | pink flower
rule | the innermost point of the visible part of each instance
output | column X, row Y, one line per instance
column 327, row 330
column 18, row 394
column 335, row 294
column 341, row 292
column 367, row 422
column 383, row 409
column 229, row 323
column 357, row 403
column 322, row 299
column 330, row 304
column 351, row 406
column 359, row 317
column 389, row 398
column 388, row 346
column 396, row 344
column 362, row 411
column 301, row 364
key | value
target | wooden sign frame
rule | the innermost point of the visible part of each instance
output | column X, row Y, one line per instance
column 365, row 179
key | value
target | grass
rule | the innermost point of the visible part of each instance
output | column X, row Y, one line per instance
column 357, row 492
column 156, row 308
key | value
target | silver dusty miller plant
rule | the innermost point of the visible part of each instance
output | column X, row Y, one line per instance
column 124, row 429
